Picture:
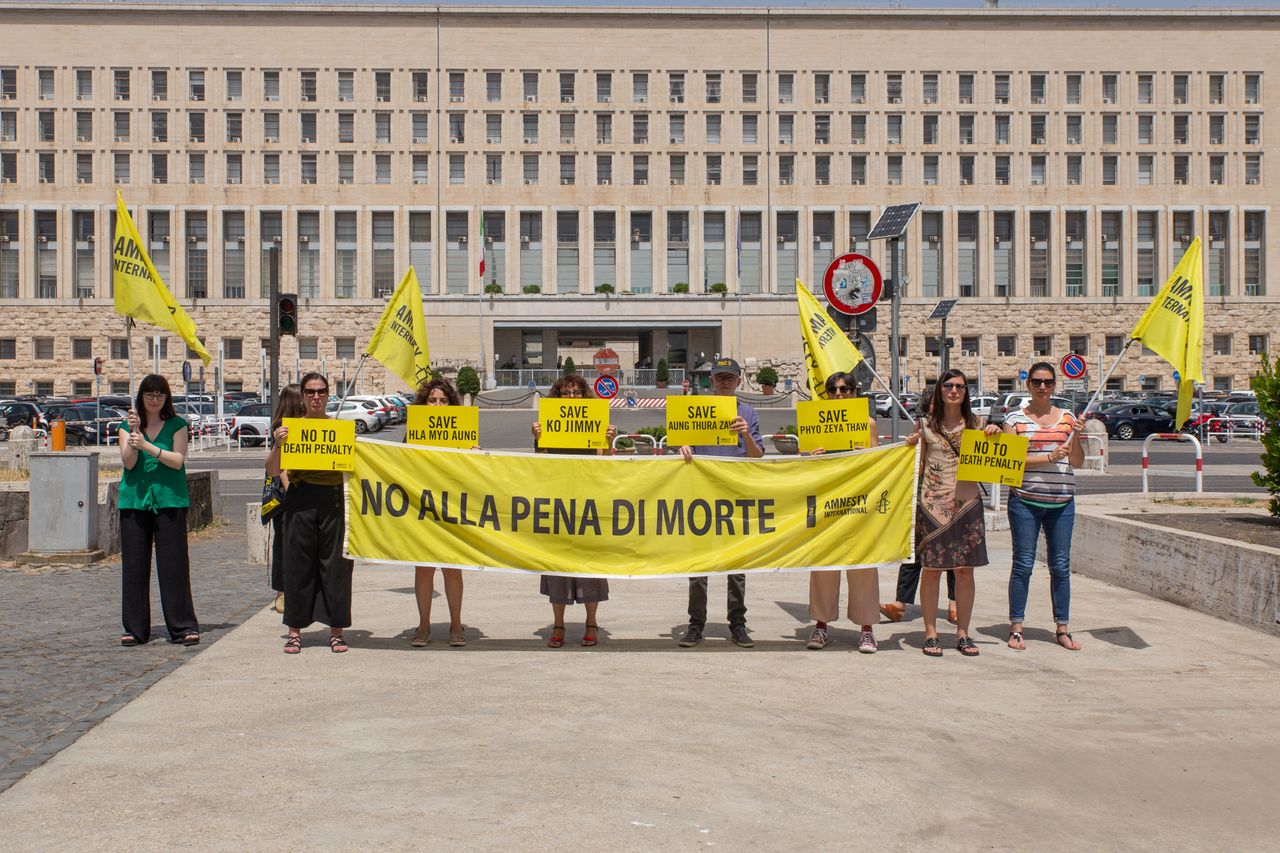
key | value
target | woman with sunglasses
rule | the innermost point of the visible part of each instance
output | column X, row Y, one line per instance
column 317, row 578
column 950, row 528
column 864, row 584
column 1045, row 500
column 564, row 591
column 153, row 504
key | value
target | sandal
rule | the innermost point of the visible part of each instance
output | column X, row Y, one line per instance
column 1016, row 636
column 337, row 644
column 129, row 640
column 557, row 637
column 420, row 638
column 190, row 639
column 932, row 647
column 967, row 647
column 1070, row 639
column 457, row 639
column 591, row 636
column 293, row 646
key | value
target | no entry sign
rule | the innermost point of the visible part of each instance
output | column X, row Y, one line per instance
column 1074, row 366
column 853, row 284
column 606, row 387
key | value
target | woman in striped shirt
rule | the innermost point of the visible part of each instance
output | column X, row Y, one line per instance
column 1046, row 500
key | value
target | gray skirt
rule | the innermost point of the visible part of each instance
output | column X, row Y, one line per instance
column 563, row 590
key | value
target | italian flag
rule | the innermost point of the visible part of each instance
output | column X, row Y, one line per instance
column 482, row 248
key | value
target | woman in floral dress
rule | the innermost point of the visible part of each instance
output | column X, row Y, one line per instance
column 950, row 528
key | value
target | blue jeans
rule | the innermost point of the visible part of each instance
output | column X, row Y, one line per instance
column 1025, row 522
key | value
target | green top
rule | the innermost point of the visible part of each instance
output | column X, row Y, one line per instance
column 150, row 484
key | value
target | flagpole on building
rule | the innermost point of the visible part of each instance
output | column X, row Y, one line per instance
column 1102, row 383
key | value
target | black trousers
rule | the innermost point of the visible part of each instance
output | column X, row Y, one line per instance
column 909, row 580
column 277, row 552
column 317, row 578
column 737, row 600
column 165, row 531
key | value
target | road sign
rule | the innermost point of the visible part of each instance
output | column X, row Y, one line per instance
column 1074, row 366
column 533, row 386
column 97, row 366
column 943, row 309
column 605, row 361
column 1022, row 375
column 186, row 371
column 606, row 387
column 1177, row 377
column 1075, row 385
column 893, row 221
column 853, row 283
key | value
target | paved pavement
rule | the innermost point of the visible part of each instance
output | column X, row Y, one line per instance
column 1159, row 735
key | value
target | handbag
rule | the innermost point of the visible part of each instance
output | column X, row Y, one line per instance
column 272, row 499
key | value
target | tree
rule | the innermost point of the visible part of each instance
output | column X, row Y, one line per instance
column 569, row 367
column 468, row 381
column 1266, row 384
column 663, row 373
column 767, row 376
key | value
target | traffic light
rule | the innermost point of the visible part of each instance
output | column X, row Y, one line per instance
column 287, row 314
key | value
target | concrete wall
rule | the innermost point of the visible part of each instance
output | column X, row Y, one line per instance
column 1231, row 580
column 13, row 522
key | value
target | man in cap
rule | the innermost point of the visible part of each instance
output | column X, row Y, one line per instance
column 726, row 375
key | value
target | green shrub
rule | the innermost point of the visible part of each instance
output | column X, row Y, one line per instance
column 493, row 287
column 658, row 432
column 789, row 429
column 625, row 443
column 1266, row 384
column 532, row 288
column 604, row 287
column 767, row 376
column 718, row 287
column 663, row 373
column 569, row 367
column 468, row 381
column 680, row 287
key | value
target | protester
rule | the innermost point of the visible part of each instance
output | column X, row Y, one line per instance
column 289, row 405
column 1046, row 500
column 950, row 529
column 437, row 392
column 726, row 375
column 909, row 573
column 864, row 584
column 564, row 591
column 153, row 503
column 317, row 578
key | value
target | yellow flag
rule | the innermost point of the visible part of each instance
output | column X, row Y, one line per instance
column 827, row 350
column 400, row 339
column 1173, row 326
column 139, row 292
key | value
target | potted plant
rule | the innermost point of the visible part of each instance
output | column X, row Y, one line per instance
column 604, row 287
column 768, row 379
column 787, row 440
column 719, row 287
column 569, row 367
column 680, row 287
column 492, row 287
column 662, row 374
column 532, row 288
column 468, row 381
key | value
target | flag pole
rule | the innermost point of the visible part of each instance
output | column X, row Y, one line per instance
column 1102, row 383
column 128, row 345
column 346, row 386
column 886, row 387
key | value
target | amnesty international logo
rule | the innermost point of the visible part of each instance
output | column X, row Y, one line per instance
column 882, row 505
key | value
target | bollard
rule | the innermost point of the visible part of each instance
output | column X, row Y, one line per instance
column 58, row 436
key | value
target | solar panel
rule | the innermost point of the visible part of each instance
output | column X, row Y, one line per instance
column 942, row 309
column 893, row 222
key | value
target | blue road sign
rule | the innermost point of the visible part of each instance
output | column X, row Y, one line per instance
column 1177, row 377
column 1022, row 375
column 606, row 386
column 533, row 386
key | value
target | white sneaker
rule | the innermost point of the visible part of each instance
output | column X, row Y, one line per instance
column 867, row 643
column 818, row 639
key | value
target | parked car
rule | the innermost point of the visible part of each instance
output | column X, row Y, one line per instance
column 366, row 420
column 982, row 406
column 22, row 413
column 1134, row 421
column 251, row 424
column 381, row 410
column 87, row 425
column 1245, row 415
column 1015, row 400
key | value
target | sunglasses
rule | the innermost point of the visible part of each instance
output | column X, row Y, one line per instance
column 316, row 392
column 840, row 389
column 1042, row 383
column 953, row 386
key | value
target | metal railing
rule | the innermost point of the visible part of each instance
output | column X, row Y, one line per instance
column 541, row 376
column 1173, row 436
column 654, row 444
column 1101, row 457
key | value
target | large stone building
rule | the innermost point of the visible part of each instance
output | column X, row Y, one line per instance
column 1064, row 160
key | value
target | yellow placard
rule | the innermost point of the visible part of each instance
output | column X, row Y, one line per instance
column 998, row 458
column 318, row 444
column 443, row 426
column 701, row 421
column 834, row 424
column 573, row 423
column 629, row 516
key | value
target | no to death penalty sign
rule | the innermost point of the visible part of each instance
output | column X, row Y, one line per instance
column 574, row 423
column 443, row 426
column 833, row 424
column 318, row 444
column 998, row 458
column 699, row 421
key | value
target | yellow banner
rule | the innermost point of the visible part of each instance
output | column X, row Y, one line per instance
column 139, row 291
column 1173, row 326
column 443, row 426
column 701, row 421
column 604, row 516
column 316, row 444
column 573, row 423
column 400, row 339
column 998, row 458
column 834, row 424
column 827, row 350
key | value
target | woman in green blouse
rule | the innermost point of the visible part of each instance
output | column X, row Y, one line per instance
column 153, row 514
